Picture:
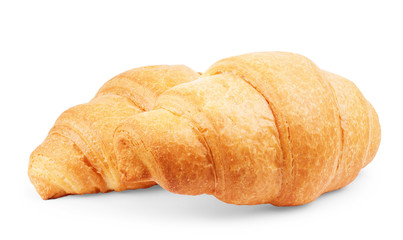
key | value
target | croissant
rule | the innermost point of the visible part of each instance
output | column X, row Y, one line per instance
column 77, row 156
column 259, row 128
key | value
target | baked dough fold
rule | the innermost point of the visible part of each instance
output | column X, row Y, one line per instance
column 77, row 156
column 267, row 127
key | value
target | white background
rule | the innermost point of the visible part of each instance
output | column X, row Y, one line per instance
column 55, row 54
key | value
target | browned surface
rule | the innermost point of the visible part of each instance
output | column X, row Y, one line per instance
column 77, row 156
column 258, row 128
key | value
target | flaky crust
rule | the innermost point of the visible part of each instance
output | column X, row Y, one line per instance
column 258, row 128
column 77, row 156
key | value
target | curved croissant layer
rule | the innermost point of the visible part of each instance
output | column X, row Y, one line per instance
column 257, row 128
column 77, row 156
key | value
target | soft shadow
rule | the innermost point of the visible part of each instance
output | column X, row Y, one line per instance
column 157, row 202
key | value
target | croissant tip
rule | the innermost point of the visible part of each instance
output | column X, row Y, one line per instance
column 45, row 189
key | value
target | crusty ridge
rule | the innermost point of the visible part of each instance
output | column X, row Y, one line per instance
column 77, row 157
column 266, row 72
column 277, row 128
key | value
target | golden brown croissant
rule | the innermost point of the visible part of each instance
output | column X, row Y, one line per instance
column 257, row 128
column 77, row 156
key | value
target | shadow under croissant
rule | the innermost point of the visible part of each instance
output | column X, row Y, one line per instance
column 156, row 201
